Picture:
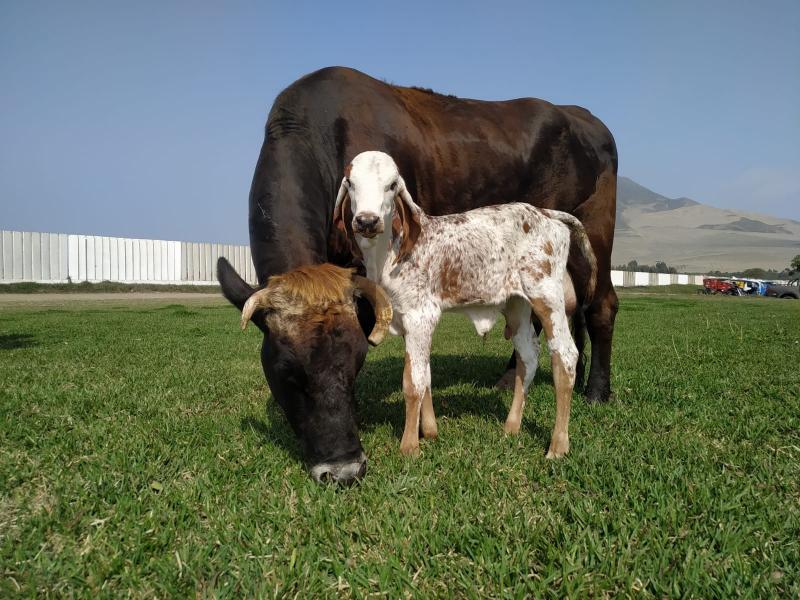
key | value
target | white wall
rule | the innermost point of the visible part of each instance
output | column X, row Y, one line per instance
column 58, row 258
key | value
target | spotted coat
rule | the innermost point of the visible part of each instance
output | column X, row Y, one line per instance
column 507, row 259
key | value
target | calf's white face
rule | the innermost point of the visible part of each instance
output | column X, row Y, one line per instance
column 372, row 182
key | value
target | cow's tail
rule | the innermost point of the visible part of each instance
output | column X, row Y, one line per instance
column 578, row 234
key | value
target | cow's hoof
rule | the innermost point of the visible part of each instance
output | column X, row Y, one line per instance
column 506, row 382
column 593, row 395
column 511, row 427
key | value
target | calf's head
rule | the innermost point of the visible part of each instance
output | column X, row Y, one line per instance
column 373, row 191
column 312, row 351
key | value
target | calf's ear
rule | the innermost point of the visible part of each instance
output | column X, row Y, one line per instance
column 406, row 220
column 343, row 218
column 237, row 290
column 342, row 206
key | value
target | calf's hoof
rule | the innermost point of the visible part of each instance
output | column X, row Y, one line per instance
column 506, row 382
column 511, row 427
column 408, row 449
column 559, row 446
column 430, row 432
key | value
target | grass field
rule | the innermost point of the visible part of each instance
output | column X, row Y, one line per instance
column 140, row 455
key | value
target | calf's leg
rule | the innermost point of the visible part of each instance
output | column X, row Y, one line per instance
column 427, row 423
column 507, row 381
column 564, row 358
column 416, row 386
column 526, row 350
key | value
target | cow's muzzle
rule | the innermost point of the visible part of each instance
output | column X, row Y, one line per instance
column 345, row 472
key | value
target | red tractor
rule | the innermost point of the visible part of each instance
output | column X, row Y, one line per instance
column 712, row 285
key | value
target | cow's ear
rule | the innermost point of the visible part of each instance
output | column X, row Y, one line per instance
column 406, row 220
column 237, row 290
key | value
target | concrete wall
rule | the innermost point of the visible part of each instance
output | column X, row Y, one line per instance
column 58, row 258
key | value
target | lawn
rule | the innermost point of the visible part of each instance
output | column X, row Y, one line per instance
column 140, row 455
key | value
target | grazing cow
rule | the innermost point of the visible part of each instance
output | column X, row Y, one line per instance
column 455, row 155
column 310, row 316
column 497, row 259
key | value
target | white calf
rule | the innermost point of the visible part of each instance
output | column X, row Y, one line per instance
column 507, row 259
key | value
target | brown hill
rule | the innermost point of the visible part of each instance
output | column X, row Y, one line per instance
column 695, row 237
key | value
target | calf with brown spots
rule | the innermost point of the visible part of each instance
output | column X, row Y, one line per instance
column 507, row 259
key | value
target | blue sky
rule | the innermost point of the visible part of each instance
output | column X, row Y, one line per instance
column 145, row 119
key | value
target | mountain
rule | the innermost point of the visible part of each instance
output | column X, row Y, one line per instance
column 630, row 193
column 696, row 237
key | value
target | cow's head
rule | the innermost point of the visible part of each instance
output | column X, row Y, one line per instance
column 376, row 195
column 312, row 351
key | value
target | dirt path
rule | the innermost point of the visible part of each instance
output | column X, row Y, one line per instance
column 56, row 299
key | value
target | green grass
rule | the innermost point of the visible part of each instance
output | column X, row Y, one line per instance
column 140, row 455
column 84, row 287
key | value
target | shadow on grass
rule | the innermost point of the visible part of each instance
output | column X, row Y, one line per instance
column 474, row 375
column 381, row 378
column 13, row 341
column 274, row 431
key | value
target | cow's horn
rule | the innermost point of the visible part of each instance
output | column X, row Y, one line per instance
column 257, row 301
column 380, row 304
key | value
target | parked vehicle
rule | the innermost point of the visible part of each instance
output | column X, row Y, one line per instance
column 713, row 285
column 788, row 290
column 751, row 287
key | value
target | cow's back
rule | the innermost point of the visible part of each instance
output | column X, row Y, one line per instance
column 455, row 154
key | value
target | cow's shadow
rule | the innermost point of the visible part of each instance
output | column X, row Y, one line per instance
column 274, row 430
column 13, row 341
column 462, row 385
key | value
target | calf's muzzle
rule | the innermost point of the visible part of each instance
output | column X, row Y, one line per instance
column 367, row 224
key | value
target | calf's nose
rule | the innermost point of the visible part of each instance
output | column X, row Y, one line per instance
column 367, row 221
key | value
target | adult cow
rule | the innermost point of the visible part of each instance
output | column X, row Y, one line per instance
column 455, row 154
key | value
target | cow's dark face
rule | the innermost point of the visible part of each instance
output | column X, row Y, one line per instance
column 311, row 373
column 312, row 352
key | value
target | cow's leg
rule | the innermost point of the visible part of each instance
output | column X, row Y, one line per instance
column 417, row 381
column 526, row 346
column 600, row 324
column 564, row 358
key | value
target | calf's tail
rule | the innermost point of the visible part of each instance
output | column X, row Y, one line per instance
column 578, row 234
